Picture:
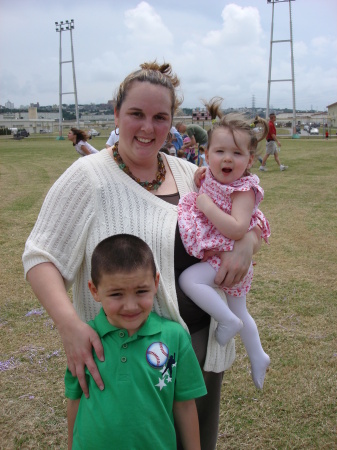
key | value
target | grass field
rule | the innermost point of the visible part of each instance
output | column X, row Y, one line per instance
column 293, row 300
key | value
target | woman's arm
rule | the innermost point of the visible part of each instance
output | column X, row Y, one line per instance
column 78, row 337
column 72, row 408
column 234, row 225
column 235, row 264
column 85, row 149
column 186, row 419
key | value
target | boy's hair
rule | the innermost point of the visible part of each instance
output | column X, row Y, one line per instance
column 235, row 122
column 121, row 253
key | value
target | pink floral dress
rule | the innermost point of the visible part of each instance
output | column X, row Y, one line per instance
column 199, row 234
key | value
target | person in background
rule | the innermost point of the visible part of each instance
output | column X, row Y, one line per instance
column 202, row 157
column 79, row 139
column 124, row 280
column 272, row 145
column 189, row 150
column 195, row 132
column 130, row 188
column 113, row 138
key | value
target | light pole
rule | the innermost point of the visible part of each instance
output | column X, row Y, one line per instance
column 292, row 79
column 66, row 26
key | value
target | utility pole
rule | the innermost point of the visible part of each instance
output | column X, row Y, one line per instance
column 66, row 26
column 292, row 79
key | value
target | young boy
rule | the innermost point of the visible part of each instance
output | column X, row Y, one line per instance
column 150, row 372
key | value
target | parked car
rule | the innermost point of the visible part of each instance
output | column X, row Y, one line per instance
column 45, row 131
column 22, row 132
column 314, row 131
column 93, row 132
column 306, row 128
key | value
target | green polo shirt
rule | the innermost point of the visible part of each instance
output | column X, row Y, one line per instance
column 143, row 375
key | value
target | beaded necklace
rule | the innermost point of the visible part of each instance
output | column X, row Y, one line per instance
column 148, row 185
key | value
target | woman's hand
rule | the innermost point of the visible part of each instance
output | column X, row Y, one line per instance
column 78, row 341
column 78, row 337
column 235, row 264
column 199, row 175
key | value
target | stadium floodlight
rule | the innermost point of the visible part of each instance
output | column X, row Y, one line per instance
column 69, row 26
column 272, row 42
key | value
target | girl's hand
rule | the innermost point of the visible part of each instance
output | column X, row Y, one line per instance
column 203, row 200
column 199, row 175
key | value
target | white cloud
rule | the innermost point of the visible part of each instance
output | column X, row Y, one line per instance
column 215, row 47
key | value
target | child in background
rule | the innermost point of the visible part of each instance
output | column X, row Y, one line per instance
column 150, row 372
column 189, row 150
column 222, row 212
column 79, row 139
column 202, row 157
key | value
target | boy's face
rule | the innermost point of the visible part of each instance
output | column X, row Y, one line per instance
column 126, row 297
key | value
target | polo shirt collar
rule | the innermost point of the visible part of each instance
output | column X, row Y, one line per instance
column 152, row 326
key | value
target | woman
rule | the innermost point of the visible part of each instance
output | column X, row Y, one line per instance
column 129, row 188
column 79, row 139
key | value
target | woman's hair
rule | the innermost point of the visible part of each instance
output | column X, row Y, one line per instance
column 121, row 253
column 235, row 123
column 151, row 72
column 80, row 135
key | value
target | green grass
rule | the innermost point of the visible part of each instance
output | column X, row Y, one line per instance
column 293, row 300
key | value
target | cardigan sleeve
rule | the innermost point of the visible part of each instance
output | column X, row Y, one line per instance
column 60, row 233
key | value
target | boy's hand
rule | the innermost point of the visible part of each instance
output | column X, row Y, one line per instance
column 199, row 175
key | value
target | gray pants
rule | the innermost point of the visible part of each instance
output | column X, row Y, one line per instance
column 208, row 406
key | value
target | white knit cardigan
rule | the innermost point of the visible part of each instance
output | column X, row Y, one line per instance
column 94, row 199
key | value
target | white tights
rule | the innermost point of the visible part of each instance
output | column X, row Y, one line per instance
column 197, row 282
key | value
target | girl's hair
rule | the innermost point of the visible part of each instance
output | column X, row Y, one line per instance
column 151, row 72
column 80, row 135
column 235, row 123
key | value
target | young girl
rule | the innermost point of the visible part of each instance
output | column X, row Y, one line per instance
column 222, row 212
column 79, row 139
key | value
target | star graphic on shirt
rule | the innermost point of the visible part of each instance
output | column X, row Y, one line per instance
column 163, row 369
column 161, row 383
column 168, row 379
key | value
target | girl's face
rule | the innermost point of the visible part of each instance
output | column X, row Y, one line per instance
column 228, row 160
column 144, row 121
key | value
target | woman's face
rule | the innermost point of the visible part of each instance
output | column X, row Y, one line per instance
column 144, row 121
column 71, row 136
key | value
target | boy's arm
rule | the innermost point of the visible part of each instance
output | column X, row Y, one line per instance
column 72, row 408
column 235, row 225
column 186, row 419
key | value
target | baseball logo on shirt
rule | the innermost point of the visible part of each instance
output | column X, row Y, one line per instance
column 157, row 354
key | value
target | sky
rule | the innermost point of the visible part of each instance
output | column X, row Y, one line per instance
column 216, row 47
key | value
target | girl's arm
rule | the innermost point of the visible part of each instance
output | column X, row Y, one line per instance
column 78, row 337
column 235, row 225
column 186, row 419
column 72, row 408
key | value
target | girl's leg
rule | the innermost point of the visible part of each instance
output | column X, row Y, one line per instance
column 249, row 334
column 197, row 282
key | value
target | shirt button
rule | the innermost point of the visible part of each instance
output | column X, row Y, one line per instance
column 123, row 359
column 121, row 334
column 125, row 345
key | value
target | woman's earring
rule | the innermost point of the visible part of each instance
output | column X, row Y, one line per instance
column 116, row 128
